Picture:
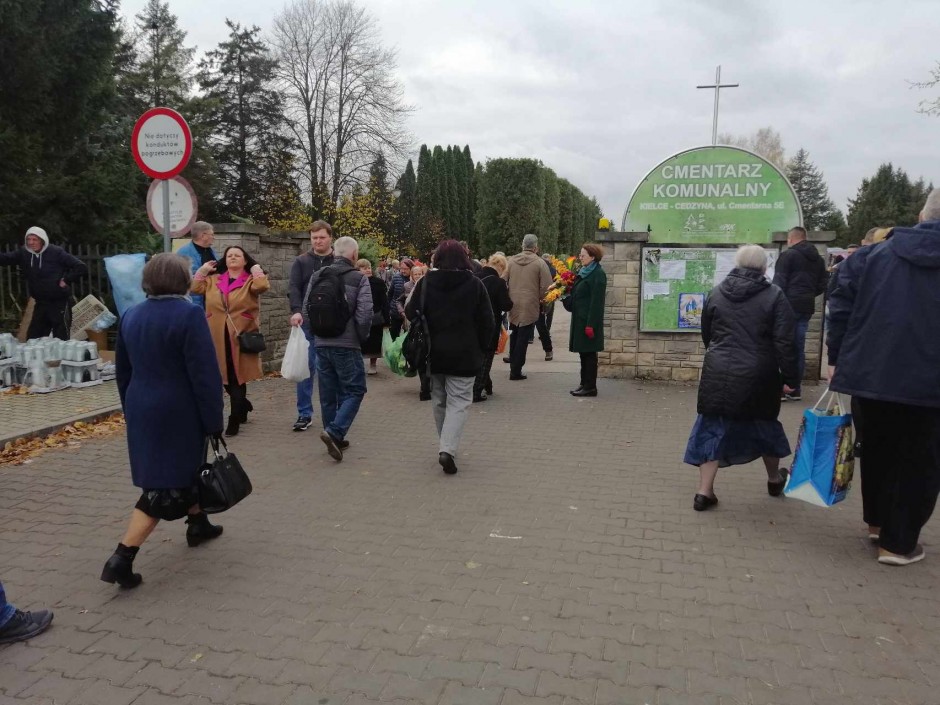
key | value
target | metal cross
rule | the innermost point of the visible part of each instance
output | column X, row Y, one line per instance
column 717, row 86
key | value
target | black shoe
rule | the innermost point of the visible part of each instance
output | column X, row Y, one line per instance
column 517, row 377
column 342, row 445
column 548, row 356
column 479, row 397
column 25, row 625
column 200, row 529
column 582, row 392
column 243, row 415
column 489, row 390
column 447, row 462
column 577, row 389
column 424, row 396
column 233, row 423
column 332, row 446
column 120, row 567
column 302, row 423
column 775, row 489
column 703, row 502
column 506, row 359
column 795, row 396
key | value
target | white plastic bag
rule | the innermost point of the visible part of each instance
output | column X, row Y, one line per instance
column 294, row 365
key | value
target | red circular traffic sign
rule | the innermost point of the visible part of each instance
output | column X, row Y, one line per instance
column 161, row 143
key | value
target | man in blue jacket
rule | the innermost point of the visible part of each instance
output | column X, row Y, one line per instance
column 199, row 251
column 884, row 341
column 49, row 272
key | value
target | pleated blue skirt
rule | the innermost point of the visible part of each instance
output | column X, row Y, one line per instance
column 734, row 441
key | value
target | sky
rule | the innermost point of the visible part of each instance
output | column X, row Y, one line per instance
column 603, row 91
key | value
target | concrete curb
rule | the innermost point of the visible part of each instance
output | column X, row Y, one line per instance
column 88, row 417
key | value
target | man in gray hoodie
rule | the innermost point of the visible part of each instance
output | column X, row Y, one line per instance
column 339, row 357
column 49, row 272
column 528, row 277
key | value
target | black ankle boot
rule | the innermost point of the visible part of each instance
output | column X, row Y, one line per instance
column 233, row 423
column 120, row 567
column 200, row 529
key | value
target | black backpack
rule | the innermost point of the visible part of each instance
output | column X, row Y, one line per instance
column 327, row 307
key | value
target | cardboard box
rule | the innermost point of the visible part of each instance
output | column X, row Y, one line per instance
column 84, row 314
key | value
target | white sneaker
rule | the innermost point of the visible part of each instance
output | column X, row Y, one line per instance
column 889, row 558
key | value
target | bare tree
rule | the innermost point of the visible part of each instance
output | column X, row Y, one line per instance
column 344, row 102
column 766, row 142
column 929, row 107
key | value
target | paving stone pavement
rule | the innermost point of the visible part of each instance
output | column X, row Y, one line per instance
column 563, row 564
column 40, row 414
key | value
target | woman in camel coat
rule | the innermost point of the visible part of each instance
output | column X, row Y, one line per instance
column 236, row 281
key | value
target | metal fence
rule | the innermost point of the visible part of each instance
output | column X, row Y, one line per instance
column 95, row 281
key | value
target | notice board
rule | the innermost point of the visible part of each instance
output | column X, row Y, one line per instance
column 674, row 281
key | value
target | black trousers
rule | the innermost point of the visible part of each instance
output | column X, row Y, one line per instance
column 394, row 327
column 483, row 382
column 518, row 346
column 588, row 370
column 238, row 393
column 51, row 317
column 901, row 470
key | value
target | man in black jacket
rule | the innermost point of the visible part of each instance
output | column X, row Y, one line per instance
column 320, row 255
column 49, row 271
column 801, row 273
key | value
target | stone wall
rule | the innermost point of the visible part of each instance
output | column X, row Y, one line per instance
column 275, row 251
column 629, row 353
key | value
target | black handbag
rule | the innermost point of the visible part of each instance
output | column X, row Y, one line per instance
column 223, row 483
column 249, row 342
column 416, row 347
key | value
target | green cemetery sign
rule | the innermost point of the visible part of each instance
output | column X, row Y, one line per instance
column 713, row 195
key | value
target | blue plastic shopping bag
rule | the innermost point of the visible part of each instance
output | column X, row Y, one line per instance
column 824, row 461
column 126, row 273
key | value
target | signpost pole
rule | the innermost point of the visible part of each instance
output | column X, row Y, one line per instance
column 166, row 215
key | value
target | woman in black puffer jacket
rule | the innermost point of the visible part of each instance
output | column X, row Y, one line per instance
column 498, row 291
column 747, row 326
column 460, row 321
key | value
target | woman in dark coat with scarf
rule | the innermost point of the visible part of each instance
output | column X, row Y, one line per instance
column 372, row 347
column 498, row 291
column 586, row 303
column 460, row 320
column 171, row 392
column 747, row 327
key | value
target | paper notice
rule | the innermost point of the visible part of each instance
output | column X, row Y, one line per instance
column 672, row 269
column 724, row 263
column 654, row 289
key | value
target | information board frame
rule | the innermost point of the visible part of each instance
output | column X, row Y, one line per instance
column 694, row 296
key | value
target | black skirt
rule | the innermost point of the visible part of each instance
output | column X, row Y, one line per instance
column 373, row 346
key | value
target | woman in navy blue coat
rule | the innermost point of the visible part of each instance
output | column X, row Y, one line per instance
column 171, row 392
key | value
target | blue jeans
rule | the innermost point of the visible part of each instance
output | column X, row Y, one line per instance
column 342, row 387
column 305, row 388
column 6, row 609
column 802, row 323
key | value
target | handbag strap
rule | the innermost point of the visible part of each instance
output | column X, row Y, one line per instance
column 216, row 441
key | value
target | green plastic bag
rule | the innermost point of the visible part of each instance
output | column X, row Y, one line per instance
column 391, row 353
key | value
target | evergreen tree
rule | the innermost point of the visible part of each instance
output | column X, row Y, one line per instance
column 439, row 171
column 461, row 194
column 428, row 225
column 453, row 195
column 888, row 198
column 63, row 134
column 380, row 201
column 811, row 190
column 470, row 196
column 244, row 112
column 162, row 72
column 406, row 209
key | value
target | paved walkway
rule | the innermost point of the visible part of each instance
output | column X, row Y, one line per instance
column 562, row 565
column 40, row 414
